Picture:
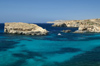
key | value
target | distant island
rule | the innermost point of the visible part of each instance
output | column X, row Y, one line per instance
column 88, row 25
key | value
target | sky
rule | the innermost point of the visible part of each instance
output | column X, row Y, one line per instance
column 42, row 11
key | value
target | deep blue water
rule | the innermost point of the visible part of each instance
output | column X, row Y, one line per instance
column 69, row 49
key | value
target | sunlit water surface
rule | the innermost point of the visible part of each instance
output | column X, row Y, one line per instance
column 68, row 49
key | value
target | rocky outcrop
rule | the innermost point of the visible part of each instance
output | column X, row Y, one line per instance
column 59, row 25
column 24, row 28
column 75, row 23
column 66, row 31
column 89, row 25
column 88, row 28
column 78, row 31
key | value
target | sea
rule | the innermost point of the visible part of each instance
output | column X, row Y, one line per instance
column 67, row 49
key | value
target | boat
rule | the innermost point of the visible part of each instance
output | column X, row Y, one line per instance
column 59, row 33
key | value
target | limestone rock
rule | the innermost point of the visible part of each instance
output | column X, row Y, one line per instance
column 66, row 31
column 88, row 28
column 78, row 31
column 59, row 25
column 88, row 25
column 24, row 28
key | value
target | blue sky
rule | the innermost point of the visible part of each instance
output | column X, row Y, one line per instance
column 39, row 11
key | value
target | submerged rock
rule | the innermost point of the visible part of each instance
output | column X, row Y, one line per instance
column 24, row 28
column 66, row 31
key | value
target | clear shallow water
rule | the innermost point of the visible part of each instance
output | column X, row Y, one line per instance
column 69, row 49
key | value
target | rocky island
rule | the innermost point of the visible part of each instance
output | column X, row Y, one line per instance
column 24, row 28
column 88, row 25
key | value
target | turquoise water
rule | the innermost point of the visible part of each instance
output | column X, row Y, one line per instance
column 69, row 49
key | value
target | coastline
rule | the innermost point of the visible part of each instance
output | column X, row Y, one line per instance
column 88, row 25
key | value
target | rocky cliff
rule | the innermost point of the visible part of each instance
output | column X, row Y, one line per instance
column 24, row 28
column 89, row 25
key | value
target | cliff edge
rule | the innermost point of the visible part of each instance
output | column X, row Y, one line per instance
column 88, row 25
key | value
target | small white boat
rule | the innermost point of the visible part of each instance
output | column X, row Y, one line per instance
column 59, row 33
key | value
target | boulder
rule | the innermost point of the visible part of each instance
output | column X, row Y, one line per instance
column 24, row 28
column 66, row 31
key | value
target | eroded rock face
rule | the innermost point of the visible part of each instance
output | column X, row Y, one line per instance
column 89, row 25
column 24, row 28
column 59, row 25
column 88, row 28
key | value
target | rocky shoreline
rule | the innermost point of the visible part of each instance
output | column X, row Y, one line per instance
column 89, row 25
column 84, row 26
column 24, row 28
